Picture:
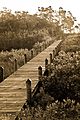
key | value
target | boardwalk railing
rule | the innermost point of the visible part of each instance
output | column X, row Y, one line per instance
column 40, row 72
column 32, row 53
column 15, row 90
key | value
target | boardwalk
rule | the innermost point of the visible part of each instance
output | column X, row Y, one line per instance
column 13, row 89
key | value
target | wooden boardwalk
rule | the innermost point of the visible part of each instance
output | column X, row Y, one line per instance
column 13, row 89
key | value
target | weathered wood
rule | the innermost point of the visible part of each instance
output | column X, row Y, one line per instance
column 51, row 58
column 53, row 54
column 15, row 65
column 56, row 50
column 31, row 54
column 13, row 89
column 25, row 58
column 28, row 89
column 1, row 74
column 40, row 72
column 40, row 48
column 46, row 63
column 43, row 46
column 36, row 51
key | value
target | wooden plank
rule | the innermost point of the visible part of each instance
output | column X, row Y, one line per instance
column 13, row 88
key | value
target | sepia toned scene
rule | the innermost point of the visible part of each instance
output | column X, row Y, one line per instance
column 39, row 60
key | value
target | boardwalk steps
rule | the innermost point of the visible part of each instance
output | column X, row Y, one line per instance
column 13, row 89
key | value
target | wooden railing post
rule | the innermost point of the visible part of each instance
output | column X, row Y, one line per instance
column 40, row 48
column 46, row 44
column 40, row 72
column 46, row 63
column 36, row 51
column 53, row 54
column 15, row 65
column 25, row 58
column 49, row 43
column 46, row 72
column 50, row 58
column 43, row 46
column 1, row 74
column 31, row 54
column 28, row 89
column 57, row 50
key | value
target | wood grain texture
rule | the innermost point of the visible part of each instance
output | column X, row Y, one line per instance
column 13, row 89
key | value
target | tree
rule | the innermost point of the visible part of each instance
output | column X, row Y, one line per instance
column 66, row 19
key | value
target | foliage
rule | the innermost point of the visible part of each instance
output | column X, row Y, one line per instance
column 65, row 79
column 66, row 110
column 7, row 60
column 61, row 17
column 56, row 111
column 71, row 43
column 59, row 96
column 22, row 30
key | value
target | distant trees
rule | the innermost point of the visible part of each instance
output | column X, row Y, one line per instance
column 64, row 81
column 52, row 16
column 66, row 19
column 22, row 30
column 61, row 17
column 46, row 13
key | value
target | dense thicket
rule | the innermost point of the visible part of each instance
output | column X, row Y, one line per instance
column 59, row 95
column 71, row 43
column 22, row 30
column 65, row 80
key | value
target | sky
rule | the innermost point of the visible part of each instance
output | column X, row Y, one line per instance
column 32, row 5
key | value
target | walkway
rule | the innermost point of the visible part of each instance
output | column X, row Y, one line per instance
column 13, row 89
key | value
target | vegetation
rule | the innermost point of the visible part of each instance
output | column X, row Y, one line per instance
column 71, row 43
column 63, row 18
column 55, row 111
column 7, row 60
column 66, row 110
column 64, row 81
column 59, row 95
column 22, row 30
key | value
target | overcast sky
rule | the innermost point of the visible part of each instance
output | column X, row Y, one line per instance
column 32, row 5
